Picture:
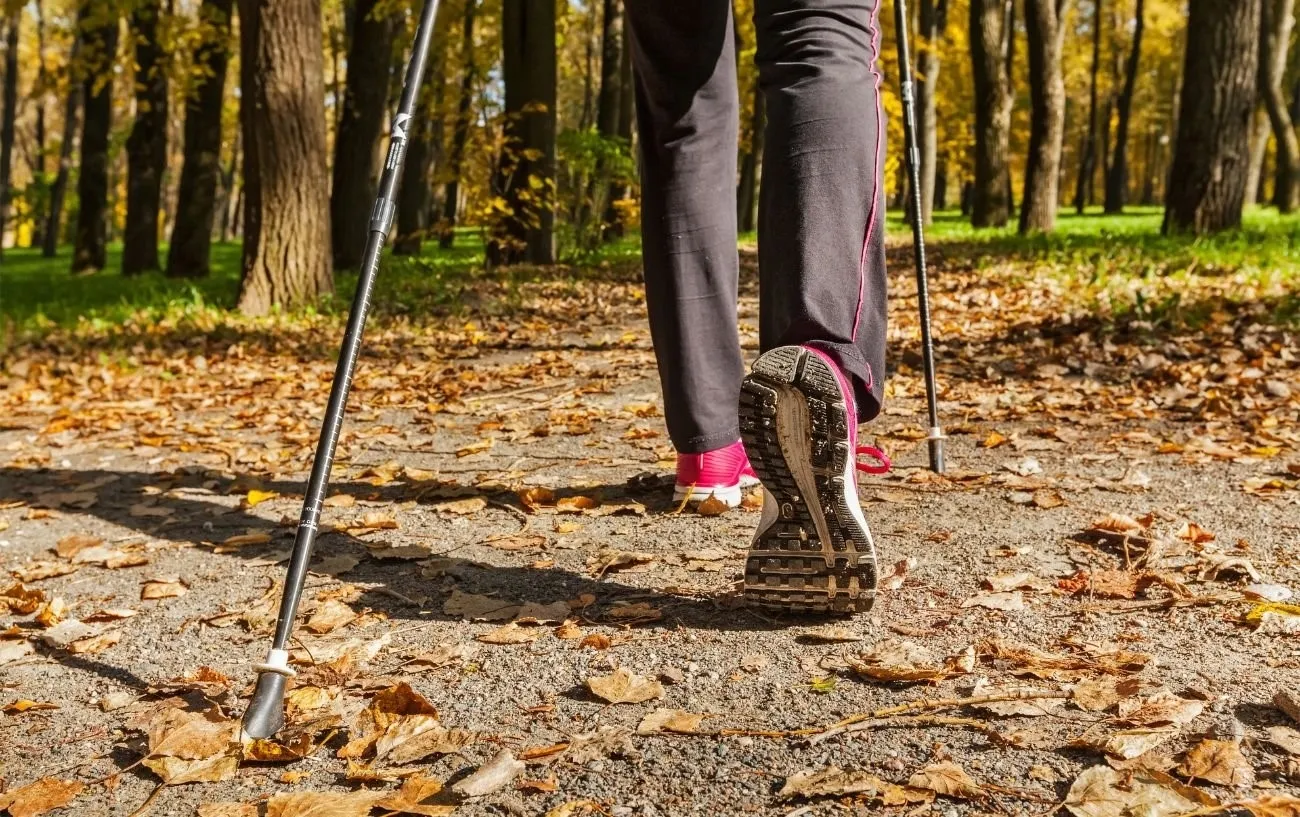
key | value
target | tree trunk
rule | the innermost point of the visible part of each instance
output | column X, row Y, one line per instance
column 990, row 37
column 941, row 184
column 1278, row 18
column 1117, row 173
column 282, row 111
column 146, row 148
column 99, row 30
column 1044, row 21
column 1260, row 130
column 1207, row 182
column 615, row 228
column 423, row 153
column 934, row 19
column 59, row 189
column 750, row 162
column 10, row 115
column 525, row 175
column 460, row 133
column 365, row 103
column 228, row 200
column 191, row 246
column 42, row 89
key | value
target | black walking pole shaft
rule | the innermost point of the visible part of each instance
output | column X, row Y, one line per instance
column 265, row 713
column 935, row 437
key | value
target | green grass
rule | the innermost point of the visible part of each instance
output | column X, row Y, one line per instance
column 1108, row 256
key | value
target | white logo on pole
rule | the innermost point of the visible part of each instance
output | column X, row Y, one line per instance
column 399, row 126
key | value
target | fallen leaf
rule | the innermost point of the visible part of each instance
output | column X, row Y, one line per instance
column 322, row 804
column 1285, row 738
column 1101, row 791
column 1006, row 582
column 609, row 560
column 11, row 651
column 670, row 720
column 227, row 809
column 412, row 798
column 165, row 587
column 246, row 539
column 69, row 546
column 465, row 506
column 39, row 571
column 1113, row 584
column 491, row 776
column 472, row 607
column 175, row 771
column 477, row 447
column 947, row 779
column 1194, row 533
column 1273, row 805
column 1047, row 498
column 22, row 600
column 1100, row 694
column 1288, row 702
column 46, row 794
column 510, row 633
column 1009, row 602
column 329, row 616
column 1118, row 523
column 624, row 687
column 1218, row 761
column 1128, row 744
column 835, row 782
column 24, row 705
column 388, row 708
column 514, row 542
column 335, row 565
column 830, row 634
column 1158, row 709
column 51, row 613
column 255, row 497
column 898, row 661
column 712, row 506
column 576, row 504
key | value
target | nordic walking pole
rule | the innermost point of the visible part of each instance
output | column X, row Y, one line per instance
column 935, row 437
column 265, row 713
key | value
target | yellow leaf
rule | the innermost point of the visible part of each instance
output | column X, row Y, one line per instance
column 256, row 497
column 625, row 687
column 44, row 795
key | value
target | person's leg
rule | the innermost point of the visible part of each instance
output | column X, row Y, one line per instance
column 821, row 249
column 822, row 290
column 687, row 119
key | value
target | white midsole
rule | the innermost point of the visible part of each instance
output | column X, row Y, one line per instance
column 732, row 495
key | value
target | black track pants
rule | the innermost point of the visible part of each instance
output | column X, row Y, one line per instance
column 821, row 209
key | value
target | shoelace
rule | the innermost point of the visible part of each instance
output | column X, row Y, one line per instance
column 882, row 461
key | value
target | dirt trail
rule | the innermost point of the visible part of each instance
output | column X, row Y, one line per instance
column 523, row 459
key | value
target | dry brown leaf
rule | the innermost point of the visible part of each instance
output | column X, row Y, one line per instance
column 670, row 720
column 335, row 565
column 329, row 616
column 418, row 737
column 22, row 600
column 514, row 542
column 477, row 447
column 535, row 613
column 1128, row 744
column 830, row 634
column 1288, row 702
column 1009, row 602
column 947, row 779
column 1194, row 533
column 472, row 607
column 22, row 705
column 898, row 661
column 413, row 797
column 1113, row 584
column 465, row 506
column 1101, row 791
column 51, row 613
column 1218, row 761
column 39, row 571
column 1118, row 523
column 510, row 633
column 1285, row 738
column 322, row 804
column 387, row 708
column 246, row 539
column 1100, row 694
column 163, row 587
column 835, row 782
column 712, row 506
column 1273, row 805
column 1048, row 498
column 227, row 809
column 1158, row 709
column 536, row 497
column 576, row 504
column 569, row 631
column 625, row 687
column 69, row 546
column 491, row 776
column 1006, row 582
column 45, row 795
column 175, row 771
column 609, row 560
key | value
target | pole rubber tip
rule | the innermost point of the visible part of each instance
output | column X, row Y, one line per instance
column 265, row 714
column 937, row 464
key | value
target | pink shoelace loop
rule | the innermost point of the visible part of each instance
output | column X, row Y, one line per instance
column 882, row 464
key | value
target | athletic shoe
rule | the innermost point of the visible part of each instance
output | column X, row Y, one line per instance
column 813, row 551
column 723, row 473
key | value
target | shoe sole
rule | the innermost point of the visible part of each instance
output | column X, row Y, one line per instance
column 815, row 557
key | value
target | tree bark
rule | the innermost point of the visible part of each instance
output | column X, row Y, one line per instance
column 1260, row 130
column 41, row 91
column 98, row 23
column 1207, row 182
column 365, row 103
column 460, row 133
column 10, row 115
column 934, row 20
column 190, row 253
column 59, row 189
column 614, row 226
column 990, row 37
column 1044, row 22
column 1117, row 173
column 525, row 175
column 1277, row 20
column 286, row 186
column 146, row 148
column 423, row 153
